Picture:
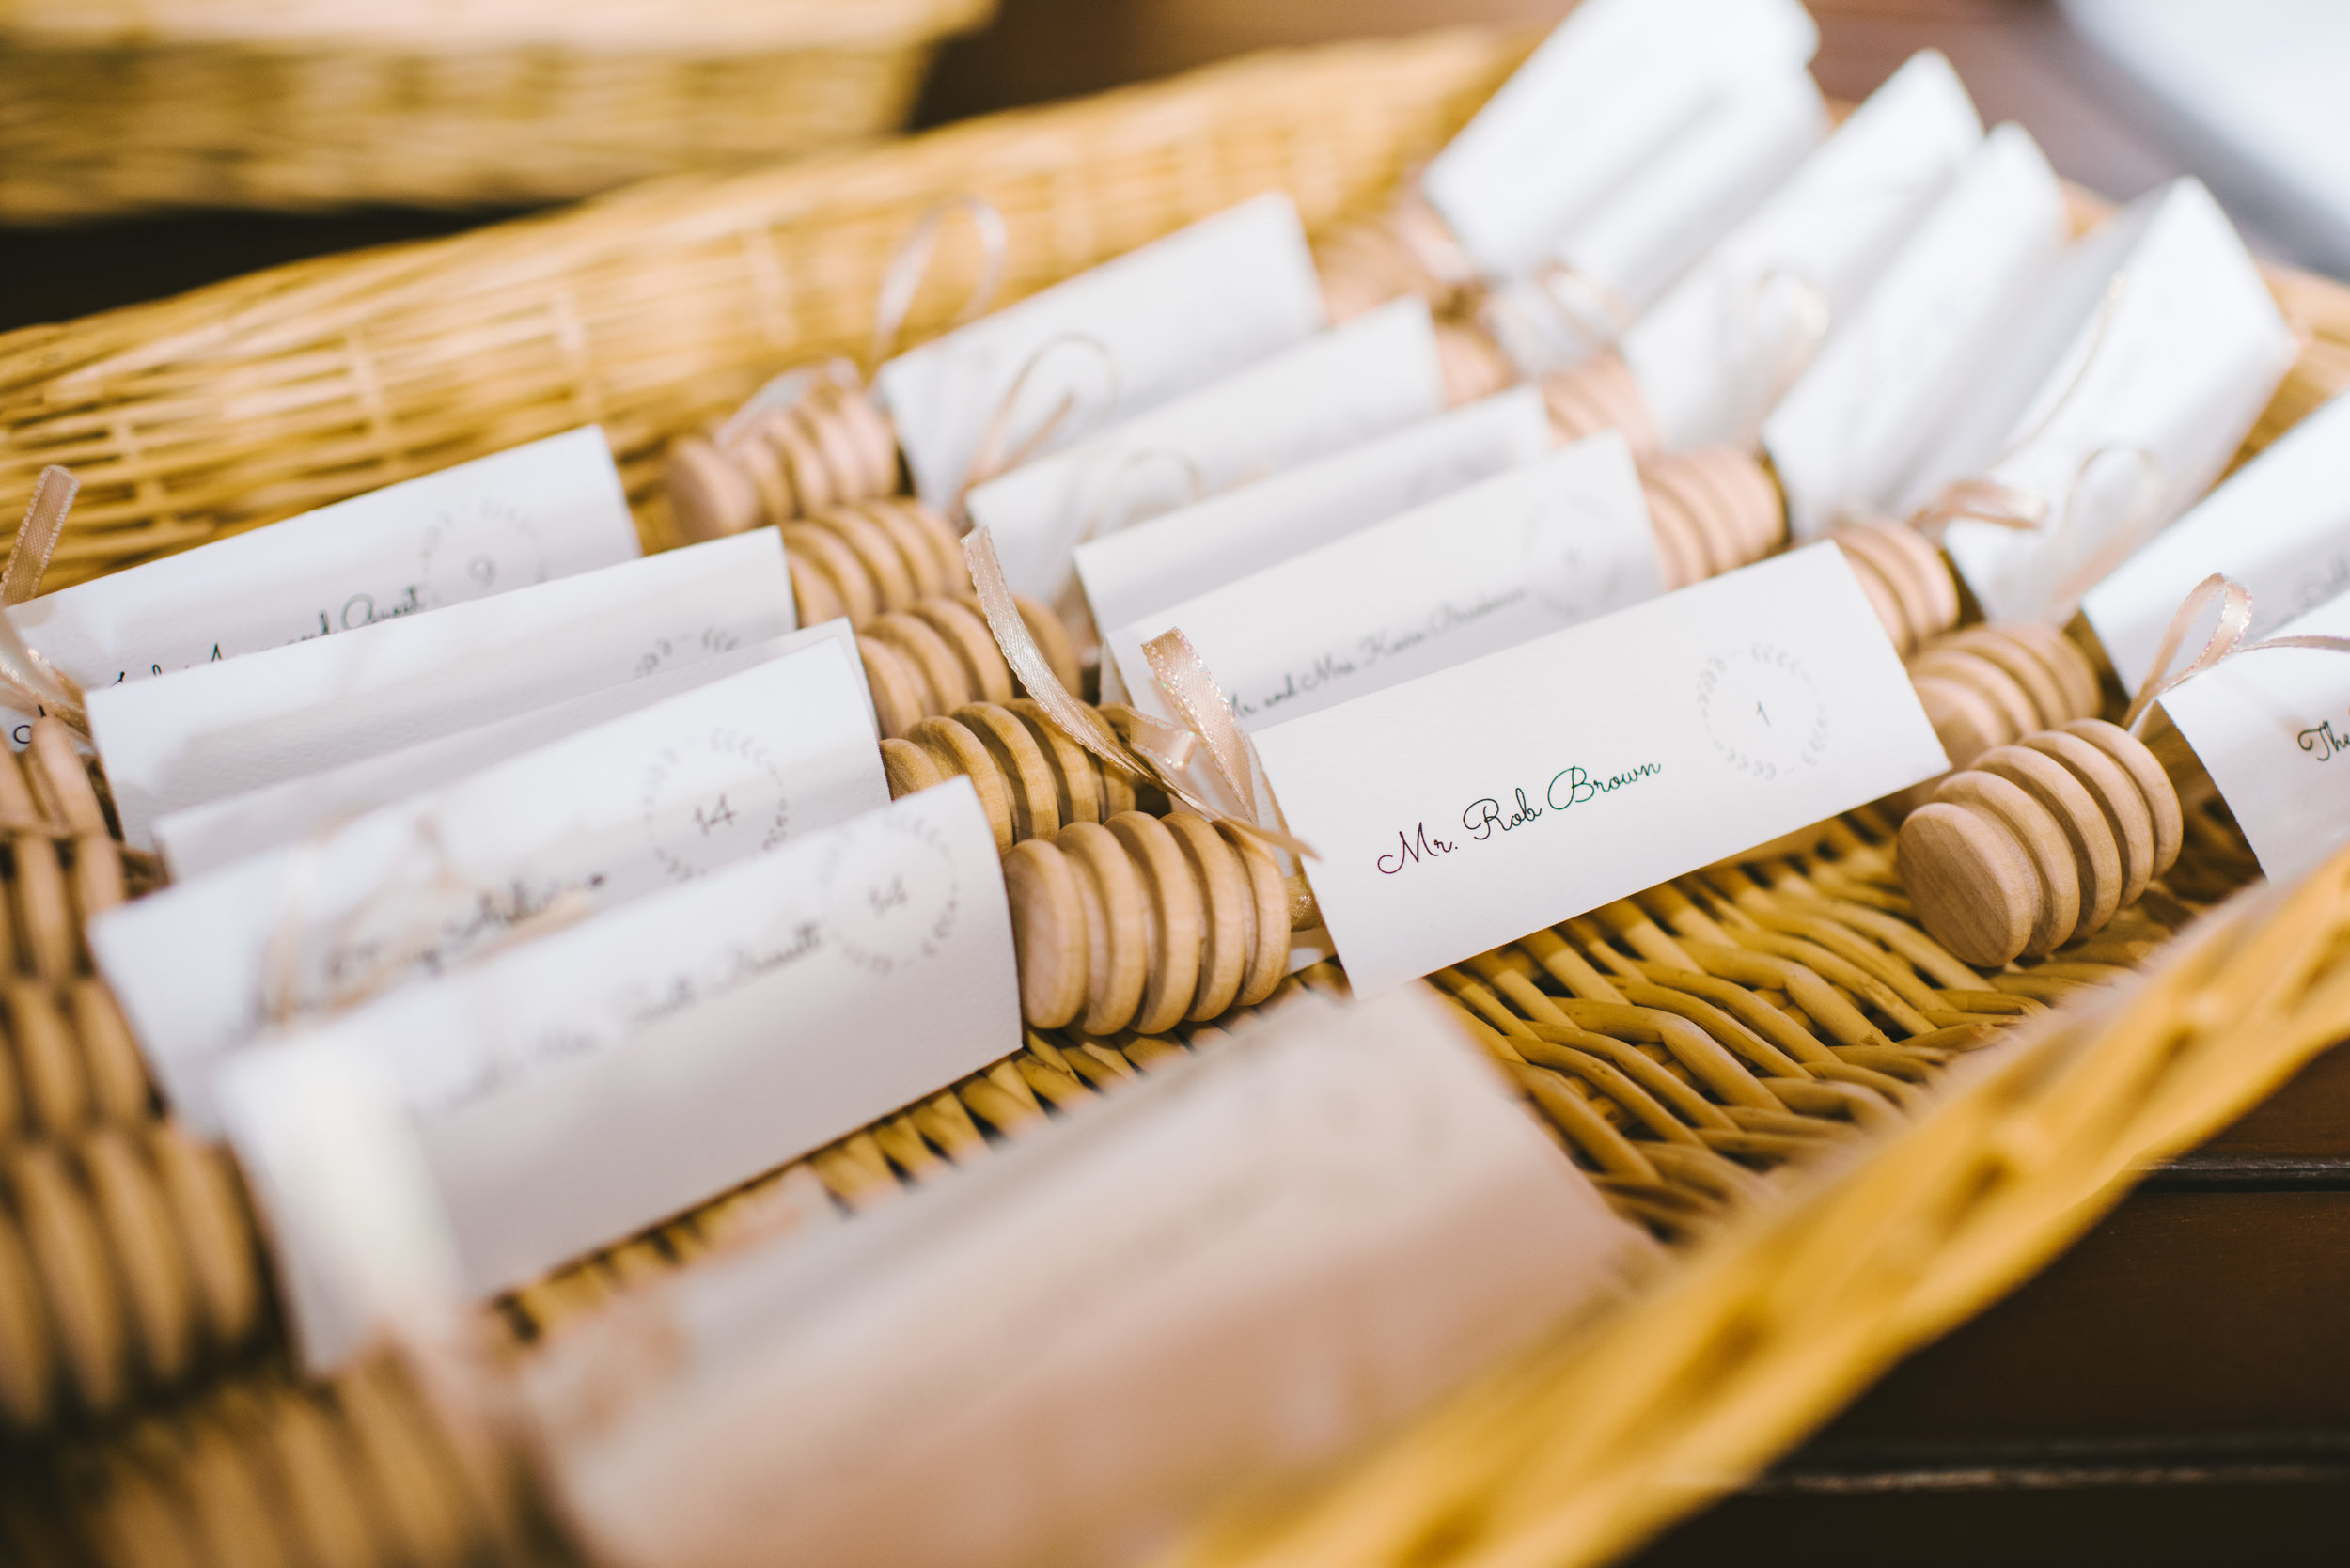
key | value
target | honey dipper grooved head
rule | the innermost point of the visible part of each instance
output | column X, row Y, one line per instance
column 1970, row 883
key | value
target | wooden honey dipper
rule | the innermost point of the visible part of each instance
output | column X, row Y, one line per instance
column 1714, row 510
column 1142, row 922
column 1908, row 583
column 832, row 445
column 894, row 568
column 2038, row 842
column 1600, row 394
column 1032, row 780
column 1992, row 685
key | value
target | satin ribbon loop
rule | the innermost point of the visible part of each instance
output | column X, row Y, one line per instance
column 1981, row 500
column 2132, row 528
column 1074, row 718
column 1985, row 499
column 1156, row 753
column 1115, row 510
column 29, row 682
column 1562, row 307
column 446, row 889
column 996, row 452
column 902, row 278
column 2225, row 642
column 1184, row 680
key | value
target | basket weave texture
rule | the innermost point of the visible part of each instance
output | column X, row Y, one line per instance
column 653, row 310
column 109, row 108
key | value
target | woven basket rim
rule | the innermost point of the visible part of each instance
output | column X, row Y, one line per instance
column 464, row 26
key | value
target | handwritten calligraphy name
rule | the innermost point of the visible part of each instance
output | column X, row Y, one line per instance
column 2322, row 740
column 1375, row 646
column 1487, row 818
column 739, row 965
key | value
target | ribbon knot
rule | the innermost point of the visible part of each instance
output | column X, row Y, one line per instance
column 1155, row 752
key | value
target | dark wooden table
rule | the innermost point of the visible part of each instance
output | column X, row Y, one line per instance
column 2175, row 1389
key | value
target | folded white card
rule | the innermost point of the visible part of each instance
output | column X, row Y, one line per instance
column 1110, row 343
column 204, row 837
column 2268, row 726
column 2281, row 526
column 1843, row 440
column 2116, row 399
column 410, row 892
column 1375, row 374
column 218, row 730
column 574, row 1090
column 1727, row 340
column 1699, row 186
column 1463, row 809
column 1543, row 546
column 1622, row 254
column 1172, row 559
column 1611, row 85
column 359, row 1241
column 529, row 515
column 1230, row 1273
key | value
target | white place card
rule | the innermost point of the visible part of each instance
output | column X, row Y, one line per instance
column 416, row 889
column 1623, row 254
column 1230, row 1273
column 1707, row 178
column 1375, row 374
column 1113, row 342
column 1726, row 342
column 508, row 520
column 1843, row 440
column 1467, row 808
column 574, row 1090
column 2269, row 728
column 1703, row 185
column 1529, row 552
column 358, row 1239
column 2281, row 526
column 1569, row 130
column 530, row 515
column 2118, row 398
column 205, row 837
column 526, row 515
column 1172, row 559
column 218, row 730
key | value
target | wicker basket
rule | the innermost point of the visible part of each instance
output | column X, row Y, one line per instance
column 112, row 106
column 654, row 309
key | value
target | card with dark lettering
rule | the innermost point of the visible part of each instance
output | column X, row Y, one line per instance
column 1146, row 568
column 571, row 1090
column 2271, row 728
column 1376, row 374
column 513, row 520
column 217, row 730
column 399, row 895
column 1105, row 345
column 1550, row 545
column 1464, row 809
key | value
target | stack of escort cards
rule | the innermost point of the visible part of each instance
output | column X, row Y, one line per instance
column 589, row 856
column 524, row 892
